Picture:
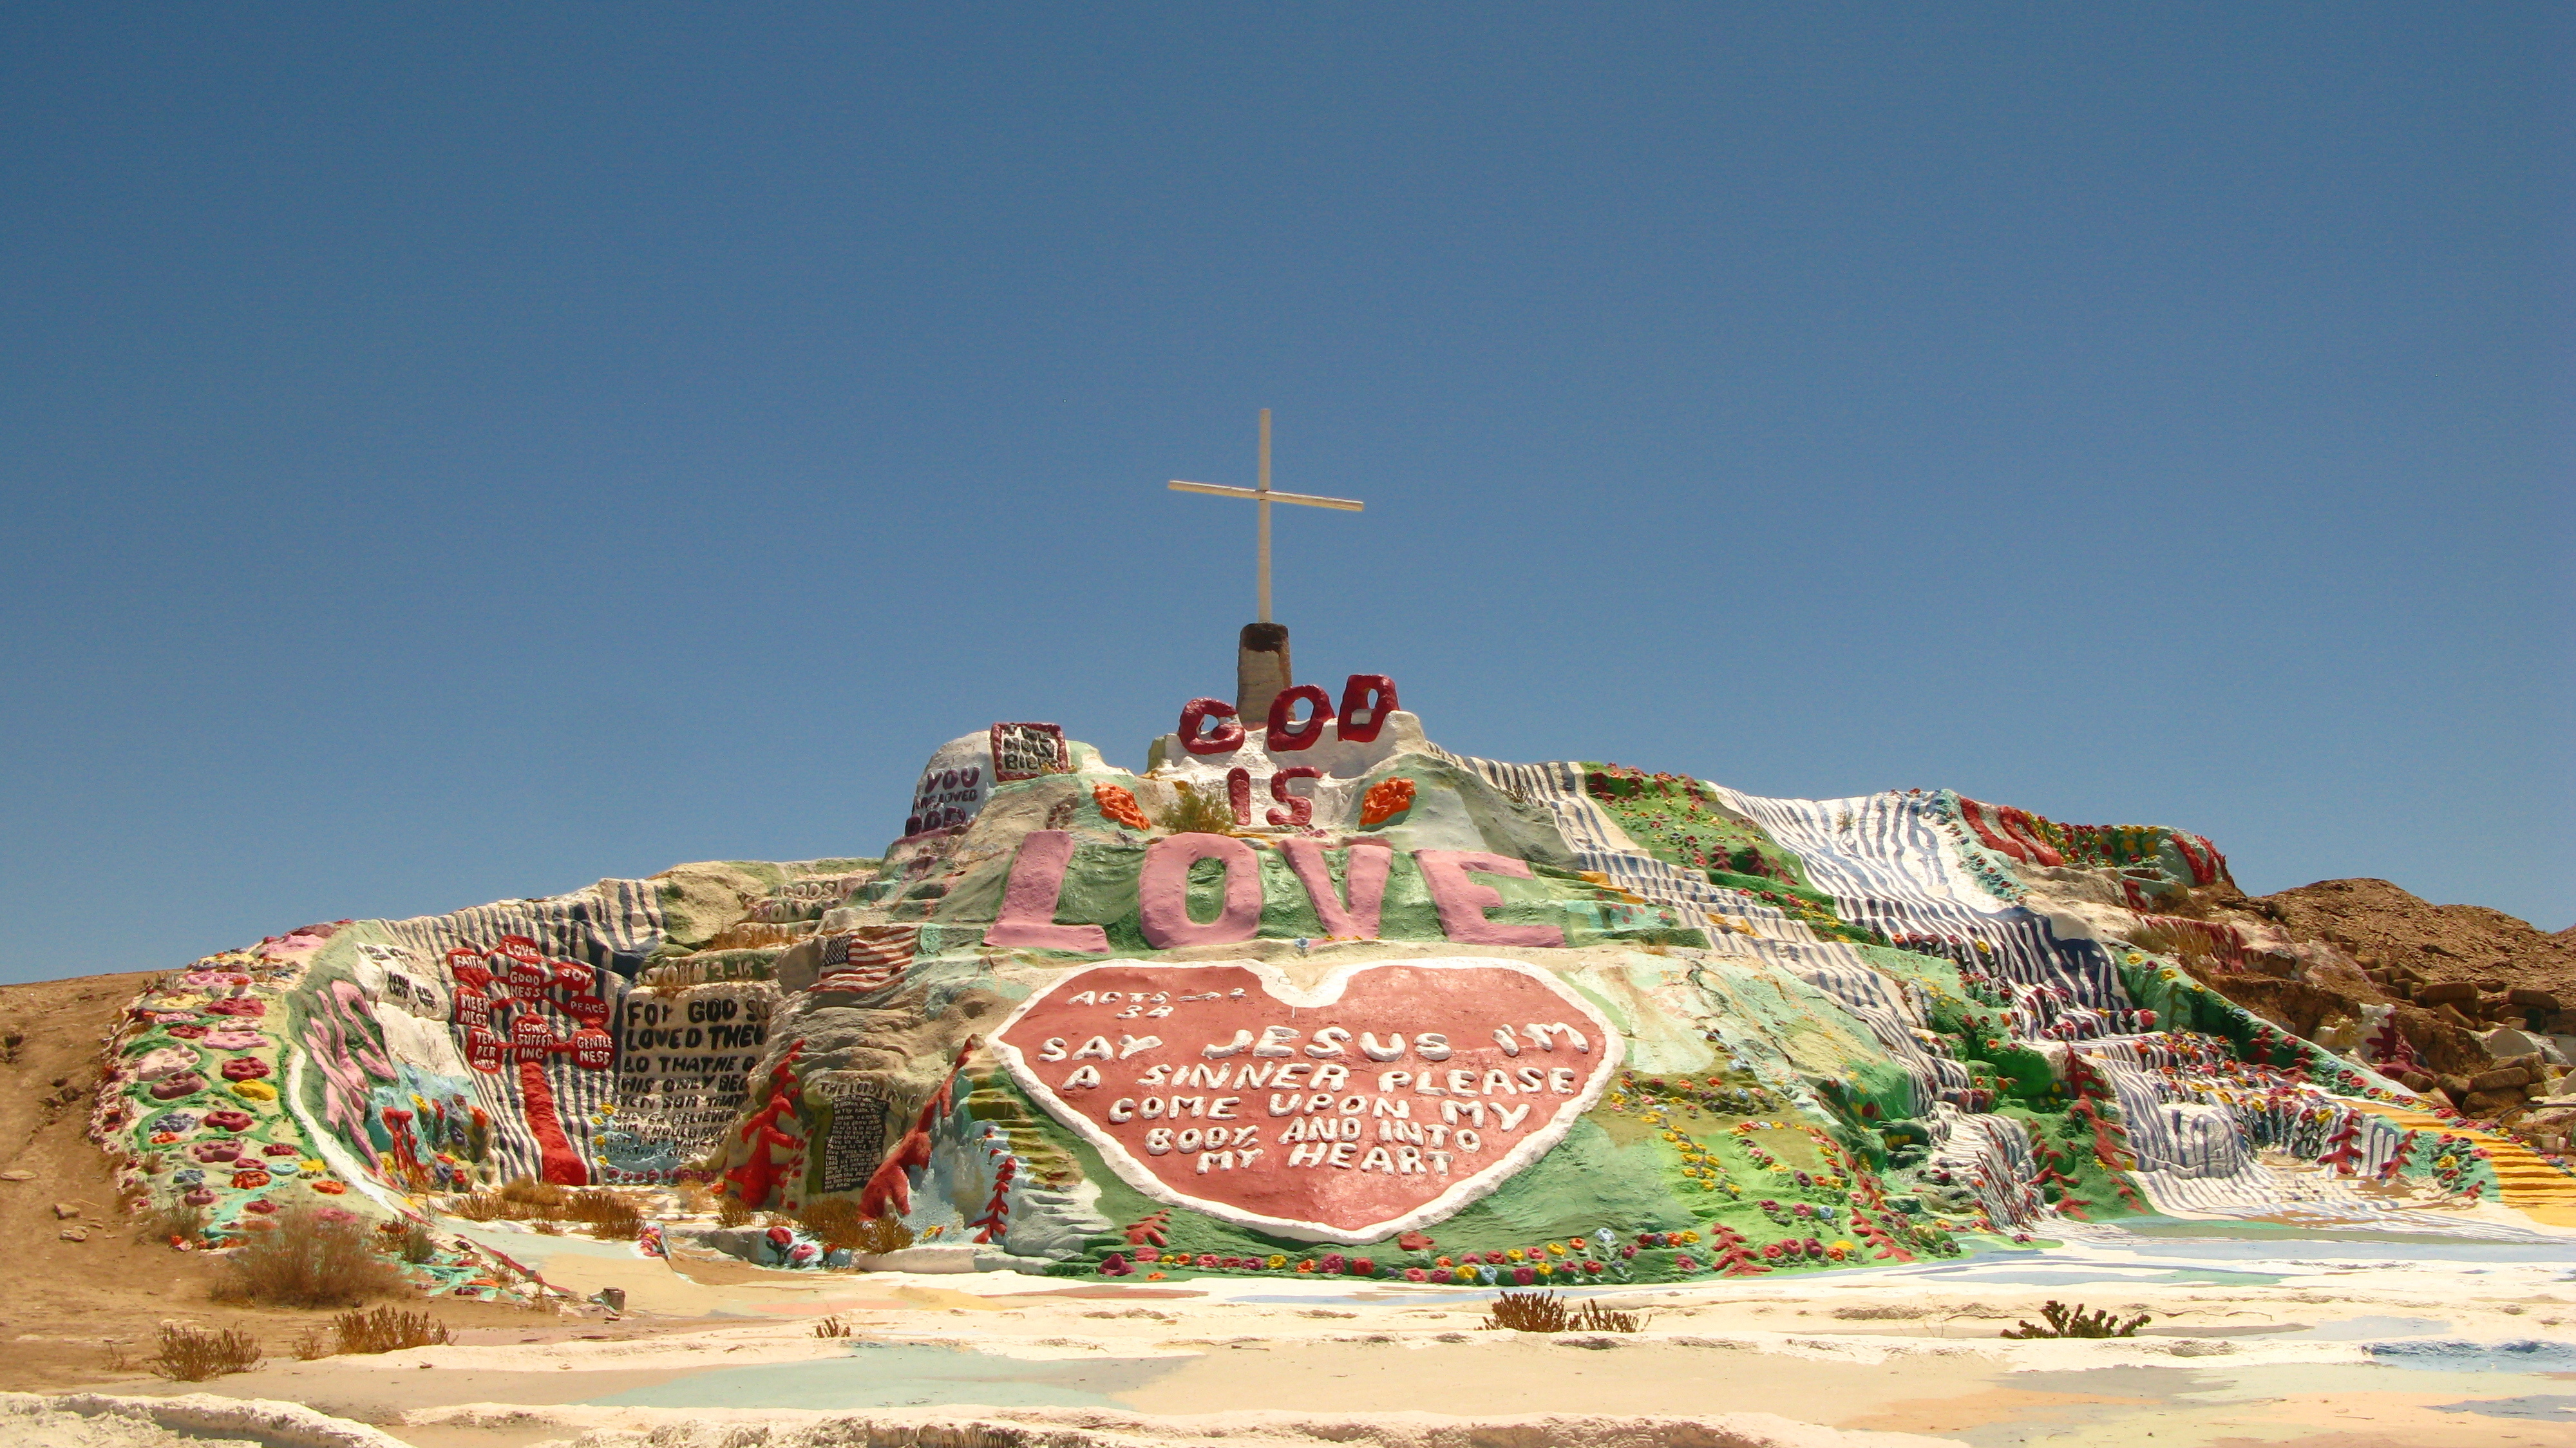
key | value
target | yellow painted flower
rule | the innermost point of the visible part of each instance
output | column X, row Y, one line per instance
column 1558, row 1248
column 1672, row 1136
column 254, row 1091
column 313, row 1164
column 1277, row 1261
column 1466, row 1274
column 1690, row 1239
column 1544, row 1270
column 1515, row 1255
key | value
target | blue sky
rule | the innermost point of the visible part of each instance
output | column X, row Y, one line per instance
column 459, row 452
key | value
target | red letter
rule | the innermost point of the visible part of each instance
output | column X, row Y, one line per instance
column 1462, row 902
column 1301, row 810
column 1163, row 891
column 1238, row 793
column 1369, row 694
column 1223, row 739
column 1283, row 735
column 1366, row 865
column 1028, row 900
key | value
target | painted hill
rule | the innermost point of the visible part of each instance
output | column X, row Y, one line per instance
column 1330, row 998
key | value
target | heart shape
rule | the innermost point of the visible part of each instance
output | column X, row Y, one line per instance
column 1385, row 1097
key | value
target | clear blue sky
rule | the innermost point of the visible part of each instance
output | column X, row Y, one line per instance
column 453, row 452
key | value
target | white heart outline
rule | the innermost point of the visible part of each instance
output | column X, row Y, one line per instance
column 1467, row 1192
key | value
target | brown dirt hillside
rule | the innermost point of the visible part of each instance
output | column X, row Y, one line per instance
column 2385, row 928
column 76, row 1302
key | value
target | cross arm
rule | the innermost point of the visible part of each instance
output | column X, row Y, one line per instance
column 1309, row 499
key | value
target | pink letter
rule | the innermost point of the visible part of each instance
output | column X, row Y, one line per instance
column 1367, row 867
column 1224, row 738
column 1462, row 902
column 1163, row 891
column 1028, row 900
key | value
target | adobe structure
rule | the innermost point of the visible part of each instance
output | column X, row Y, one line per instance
column 1310, row 994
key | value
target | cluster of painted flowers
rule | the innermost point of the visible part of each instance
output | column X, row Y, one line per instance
column 200, row 1137
column 1806, row 1180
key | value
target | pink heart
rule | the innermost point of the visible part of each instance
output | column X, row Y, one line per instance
column 1411, row 1088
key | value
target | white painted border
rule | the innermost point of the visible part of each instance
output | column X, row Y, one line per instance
column 1466, row 1192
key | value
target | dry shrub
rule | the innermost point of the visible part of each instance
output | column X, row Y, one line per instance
column 311, row 1345
column 2065, row 1321
column 832, row 1326
column 192, row 1354
column 536, row 1197
column 1596, row 1318
column 1546, row 1312
column 387, row 1330
column 409, row 1240
column 174, row 1220
column 733, row 1213
column 837, row 1222
column 1196, row 813
column 1528, row 1312
column 612, row 1218
column 312, row 1260
column 478, row 1206
column 547, row 1228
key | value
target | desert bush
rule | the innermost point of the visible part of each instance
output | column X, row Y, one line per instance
column 1596, row 1318
column 410, row 1240
column 388, row 1330
column 174, row 1221
column 192, row 1354
column 2065, row 1321
column 612, row 1218
column 311, row 1345
column 832, row 1326
column 543, row 1198
column 731, row 1212
column 837, row 1222
column 1196, row 813
column 315, row 1257
column 1546, row 1312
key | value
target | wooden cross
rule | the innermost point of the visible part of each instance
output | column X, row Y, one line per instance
column 1262, row 498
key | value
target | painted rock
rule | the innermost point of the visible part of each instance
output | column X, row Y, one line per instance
column 1384, row 1098
column 228, row 1119
column 247, row 1006
column 171, row 1088
column 166, row 1062
column 233, row 1038
column 244, row 1068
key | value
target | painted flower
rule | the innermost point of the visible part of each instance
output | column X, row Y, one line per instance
column 1276, row 1261
column 1114, row 1265
column 1148, row 1254
column 227, row 1119
column 1362, row 1267
column 1466, row 1274
column 1306, row 1266
column 1207, row 1260
column 1592, row 1267
column 1444, row 1262
column 1415, row 1274
column 1685, row 1264
column 1523, row 1277
column 1514, row 1255
column 254, row 1091
column 1332, row 1264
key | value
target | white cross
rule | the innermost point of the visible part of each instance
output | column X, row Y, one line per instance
column 1263, row 497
